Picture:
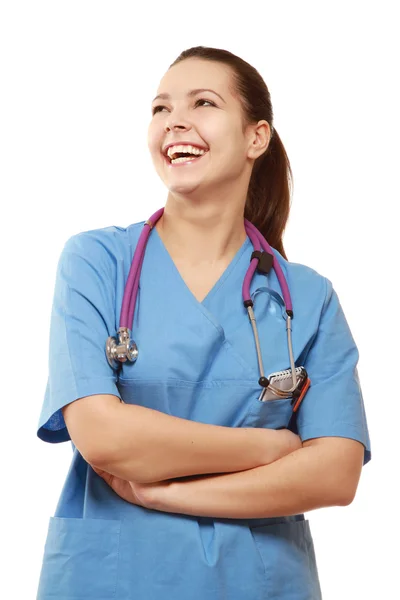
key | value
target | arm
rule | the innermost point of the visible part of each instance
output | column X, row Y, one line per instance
column 324, row 472
column 145, row 445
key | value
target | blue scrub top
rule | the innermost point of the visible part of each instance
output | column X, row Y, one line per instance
column 198, row 361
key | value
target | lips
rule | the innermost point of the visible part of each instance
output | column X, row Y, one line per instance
column 184, row 143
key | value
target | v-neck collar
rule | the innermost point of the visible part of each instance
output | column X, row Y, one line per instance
column 221, row 280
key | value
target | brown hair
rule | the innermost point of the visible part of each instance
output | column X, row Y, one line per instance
column 271, row 182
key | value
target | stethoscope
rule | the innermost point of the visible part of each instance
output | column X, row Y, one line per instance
column 124, row 349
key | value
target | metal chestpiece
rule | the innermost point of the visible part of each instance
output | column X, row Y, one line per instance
column 119, row 351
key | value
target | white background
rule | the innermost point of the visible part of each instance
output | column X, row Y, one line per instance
column 77, row 81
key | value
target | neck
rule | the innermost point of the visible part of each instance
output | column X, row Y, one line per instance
column 201, row 237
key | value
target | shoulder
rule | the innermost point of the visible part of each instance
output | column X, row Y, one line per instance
column 106, row 244
column 99, row 255
column 309, row 289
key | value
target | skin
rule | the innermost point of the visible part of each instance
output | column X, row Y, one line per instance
column 135, row 493
column 158, row 495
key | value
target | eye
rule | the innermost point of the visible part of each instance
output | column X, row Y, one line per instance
column 156, row 108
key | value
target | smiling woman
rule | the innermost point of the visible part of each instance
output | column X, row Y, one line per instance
column 177, row 443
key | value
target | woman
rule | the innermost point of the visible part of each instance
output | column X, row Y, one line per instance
column 183, row 482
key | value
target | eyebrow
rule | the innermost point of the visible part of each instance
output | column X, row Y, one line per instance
column 190, row 93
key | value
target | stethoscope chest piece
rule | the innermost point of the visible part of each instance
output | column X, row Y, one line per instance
column 121, row 350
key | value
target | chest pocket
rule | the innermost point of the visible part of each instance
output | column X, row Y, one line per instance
column 271, row 414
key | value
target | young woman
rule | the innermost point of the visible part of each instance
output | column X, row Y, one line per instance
column 192, row 466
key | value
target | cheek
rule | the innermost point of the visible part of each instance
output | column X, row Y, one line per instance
column 154, row 138
column 220, row 134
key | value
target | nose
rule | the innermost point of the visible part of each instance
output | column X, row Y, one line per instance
column 171, row 125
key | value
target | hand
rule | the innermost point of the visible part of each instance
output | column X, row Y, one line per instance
column 148, row 495
column 128, row 490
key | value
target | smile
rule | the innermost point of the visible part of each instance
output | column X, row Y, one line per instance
column 186, row 161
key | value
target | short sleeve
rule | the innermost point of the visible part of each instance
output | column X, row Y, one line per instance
column 82, row 318
column 333, row 404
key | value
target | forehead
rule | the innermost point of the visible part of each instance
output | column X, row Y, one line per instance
column 196, row 73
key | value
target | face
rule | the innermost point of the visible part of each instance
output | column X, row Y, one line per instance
column 212, row 119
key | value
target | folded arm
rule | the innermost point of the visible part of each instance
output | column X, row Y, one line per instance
column 324, row 472
column 144, row 445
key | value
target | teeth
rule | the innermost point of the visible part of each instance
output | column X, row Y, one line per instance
column 184, row 148
column 182, row 159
